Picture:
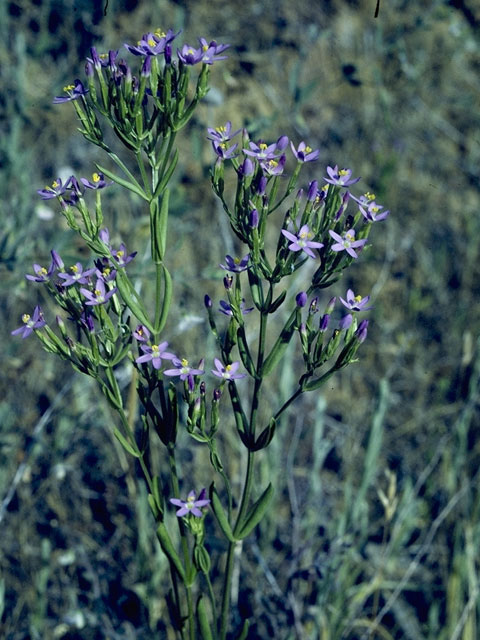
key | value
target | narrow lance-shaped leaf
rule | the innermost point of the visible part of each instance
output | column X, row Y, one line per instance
column 278, row 349
column 135, row 187
column 132, row 300
column 220, row 514
column 203, row 623
column 125, row 444
column 255, row 514
column 169, row 550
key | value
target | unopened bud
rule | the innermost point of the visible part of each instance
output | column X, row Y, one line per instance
column 301, row 299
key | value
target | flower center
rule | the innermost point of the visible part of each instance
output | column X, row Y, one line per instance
column 155, row 349
column 151, row 42
column 342, row 172
column 308, row 149
column 96, row 178
column 357, row 298
column 69, row 87
column 74, row 268
column 25, row 318
column 43, row 271
column 262, row 146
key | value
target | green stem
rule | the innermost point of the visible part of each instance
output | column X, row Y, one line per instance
column 183, row 538
column 226, row 591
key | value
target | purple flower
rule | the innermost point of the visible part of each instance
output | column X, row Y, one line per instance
column 301, row 299
column 105, row 270
column 373, row 213
column 43, row 274
column 345, row 322
column 340, row 177
column 223, row 133
column 302, row 242
column 30, row 323
column 210, row 51
column 223, row 151
column 227, row 310
column 74, row 92
column 99, row 295
column 273, row 167
column 189, row 56
column 99, row 182
column 183, row 369
column 227, row 372
column 247, row 168
column 121, row 257
column 141, row 333
column 192, row 505
column 98, row 60
column 366, row 199
column 304, row 153
column 156, row 353
column 355, row 303
column 262, row 151
column 235, row 265
column 73, row 184
column 347, row 242
column 361, row 332
column 77, row 275
column 152, row 44
column 57, row 189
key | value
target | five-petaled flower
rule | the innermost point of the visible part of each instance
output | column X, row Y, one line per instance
column 340, row 177
column 373, row 213
column 189, row 55
column 152, row 44
column 183, row 369
column 302, row 242
column 192, row 504
column 43, row 274
column 155, row 353
column 262, row 151
column 77, row 274
column 227, row 372
column 304, row 153
column 99, row 295
column 56, row 189
column 347, row 242
column 30, row 323
column 235, row 265
column 210, row 51
column 222, row 133
column 98, row 181
column 228, row 311
column 355, row 303
column 74, row 92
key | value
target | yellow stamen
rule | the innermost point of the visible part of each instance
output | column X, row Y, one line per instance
column 55, row 184
column 357, row 298
column 262, row 146
column 184, row 362
column 74, row 268
column 96, row 177
column 69, row 87
column 342, row 172
column 25, row 318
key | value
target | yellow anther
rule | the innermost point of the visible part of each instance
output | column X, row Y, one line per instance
column 357, row 298
column 205, row 47
column 74, row 268
column 272, row 164
column 159, row 33
column 69, row 87
column 43, row 271
column 262, row 146
column 184, row 362
column 96, row 177
column 25, row 318
column 151, row 42
column 228, row 367
column 220, row 129
column 308, row 149
column 155, row 348
column 97, row 293
column 55, row 184
column 342, row 172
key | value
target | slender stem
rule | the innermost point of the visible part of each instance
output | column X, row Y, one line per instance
column 226, row 591
column 211, row 595
column 288, row 402
column 183, row 538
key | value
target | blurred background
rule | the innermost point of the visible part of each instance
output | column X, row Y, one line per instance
column 376, row 514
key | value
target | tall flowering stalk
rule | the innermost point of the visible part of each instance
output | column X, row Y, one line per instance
column 101, row 321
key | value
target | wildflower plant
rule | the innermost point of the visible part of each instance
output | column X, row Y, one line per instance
column 102, row 323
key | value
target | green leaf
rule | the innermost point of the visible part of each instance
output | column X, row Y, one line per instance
column 125, row 444
column 169, row 550
column 135, row 187
column 203, row 620
column 244, row 632
column 132, row 300
column 277, row 303
column 167, row 175
column 266, row 436
column 279, row 348
column 255, row 514
column 220, row 514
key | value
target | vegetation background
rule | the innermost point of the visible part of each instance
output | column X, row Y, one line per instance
column 376, row 515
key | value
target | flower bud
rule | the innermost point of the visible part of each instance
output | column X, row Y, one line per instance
column 324, row 322
column 217, row 394
column 147, row 67
column 313, row 306
column 208, row 302
column 345, row 322
column 254, row 218
column 228, row 282
column 282, row 143
column 246, row 168
column 301, row 299
column 312, row 191
column 262, row 185
column 361, row 332
column 89, row 69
